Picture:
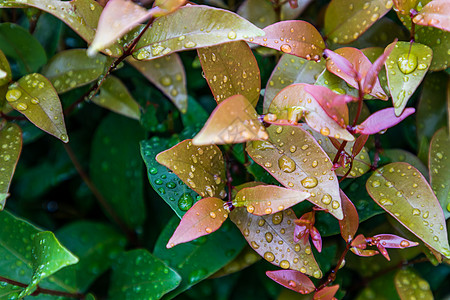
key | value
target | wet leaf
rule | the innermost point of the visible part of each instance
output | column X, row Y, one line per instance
column 406, row 66
column 291, row 69
column 11, row 145
column 400, row 155
column 267, row 199
column 346, row 20
column 258, row 12
column 296, row 37
column 137, row 274
column 327, row 293
column 410, row 285
column 114, row 95
column 169, row 5
column 349, row 224
column 231, row 69
column 70, row 69
column 202, row 168
column 210, row 26
column 293, row 280
column 5, row 72
column 246, row 258
column 439, row 162
column 404, row 193
column 233, row 121
column 34, row 97
column 272, row 236
column 168, row 75
column 336, row 84
column 9, row 291
column 405, row 6
column 435, row 14
column 297, row 161
column 382, row 120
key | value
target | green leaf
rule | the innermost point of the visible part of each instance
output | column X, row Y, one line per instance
column 5, row 71
column 404, row 193
column 231, row 69
column 115, row 96
column 346, row 20
column 70, row 69
column 11, row 145
column 49, row 256
column 400, row 155
column 138, row 274
column 406, row 66
column 410, row 285
column 439, row 162
column 246, row 258
column 336, row 84
column 272, row 236
column 168, row 75
column 116, row 167
column 209, row 26
column 297, row 161
column 18, row 44
column 260, row 13
column 9, row 291
column 36, row 98
column 195, row 115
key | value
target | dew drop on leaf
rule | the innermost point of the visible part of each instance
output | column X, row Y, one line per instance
column 407, row 62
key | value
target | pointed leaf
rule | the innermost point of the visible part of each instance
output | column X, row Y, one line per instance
column 11, row 145
column 260, row 13
column 406, row 66
column 400, row 155
column 435, row 14
column 231, row 69
column 233, row 121
column 349, row 224
column 337, row 63
column 439, row 162
column 5, row 69
column 267, row 199
column 371, row 78
column 115, row 96
column 202, row 168
column 394, row 241
column 382, row 120
column 137, row 274
column 168, row 75
column 364, row 252
column 34, row 96
column 210, row 26
column 327, row 293
column 293, row 280
column 410, row 285
column 297, row 161
column 298, row 38
column 272, row 236
column 404, row 193
column 335, row 83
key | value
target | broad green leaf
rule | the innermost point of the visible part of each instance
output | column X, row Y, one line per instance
column 400, row 155
column 70, row 69
column 168, row 75
column 116, row 167
column 195, row 114
column 346, row 20
column 272, row 236
column 231, row 69
column 267, row 199
column 246, row 258
column 404, row 193
column 202, row 168
column 296, row 37
column 233, row 121
column 205, row 217
column 209, row 26
column 17, row 43
column 199, row 259
column 9, row 291
column 137, row 274
column 115, row 96
column 291, row 69
column 48, row 257
column 11, row 146
column 260, row 13
column 381, row 288
column 406, row 66
column 297, row 161
column 5, row 72
column 410, row 285
column 435, row 14
column 439, row 165
column 36, row 98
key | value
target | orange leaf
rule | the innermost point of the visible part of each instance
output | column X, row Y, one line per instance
column 293, row 280
column 327, row 293
column 436, row 14
column 349, row 224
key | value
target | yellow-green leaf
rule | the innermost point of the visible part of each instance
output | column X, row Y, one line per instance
column 233, row 121
column 5, row 70
column 403, row 192
column 35, row 97
column 231, row 69
column 410, row 285
column 246, row 258
column 260, row 13
column 296, row 160
column 202, row 168
column 272, row 236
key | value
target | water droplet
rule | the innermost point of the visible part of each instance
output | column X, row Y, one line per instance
column 64, row 137
column 292, row 148
column 416, row 212
column 165, row 81
column 292, row 283
column 404, row 244
column 376, row 183
column 269, row 256
column 386, row 202
column 335, row 204
column 326, row 199
column 231, row 35
column 286, row 48
column 407, row 63
column 269, row 237
column 185, row 202
column 277, row 218
column 286, row 164
column 309, row 182
column 13, row 95
column 190, row 44
column 254, row 245
column 153, row 171
column 250, row 208
column 21, row 106
column 284, row 264
column 325, row 131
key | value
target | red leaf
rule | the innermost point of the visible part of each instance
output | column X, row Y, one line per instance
column 205, row 217
column 363, row 252
column 383, row 251
column 359, row 242
column 382, row 119
column 327, row 293
column 394, row 241
column 349, row 225
column 435, row 14
column 337, row 64
column 316, row 239
column 293, row 280
column 359, row 144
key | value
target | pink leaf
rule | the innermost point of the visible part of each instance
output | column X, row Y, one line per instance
column 359, row 242
column 327, row 293
column 382, row 119
column 293, row 280
column 394, row 241
column 338, row 63
column 383, row 251
column 349, row 225
column 435, row 14
column 316, row 239
column 363, row 252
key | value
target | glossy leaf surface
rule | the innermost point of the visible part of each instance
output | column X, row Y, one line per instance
column 410, row 285
column 327, row 293
column 211, row 26
column 399, row 155
column 233, row 121
column 404, row 193
column 5, row 71
column 202, row 168
column 260, row 13
column 293, row 280
column 372, row 76
column 382, row 120
column 297, row 161
column 272, row 236
column 350, row 223
column 246, row 258
column 436, row 14
column 34, row 97
column 231, row 69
